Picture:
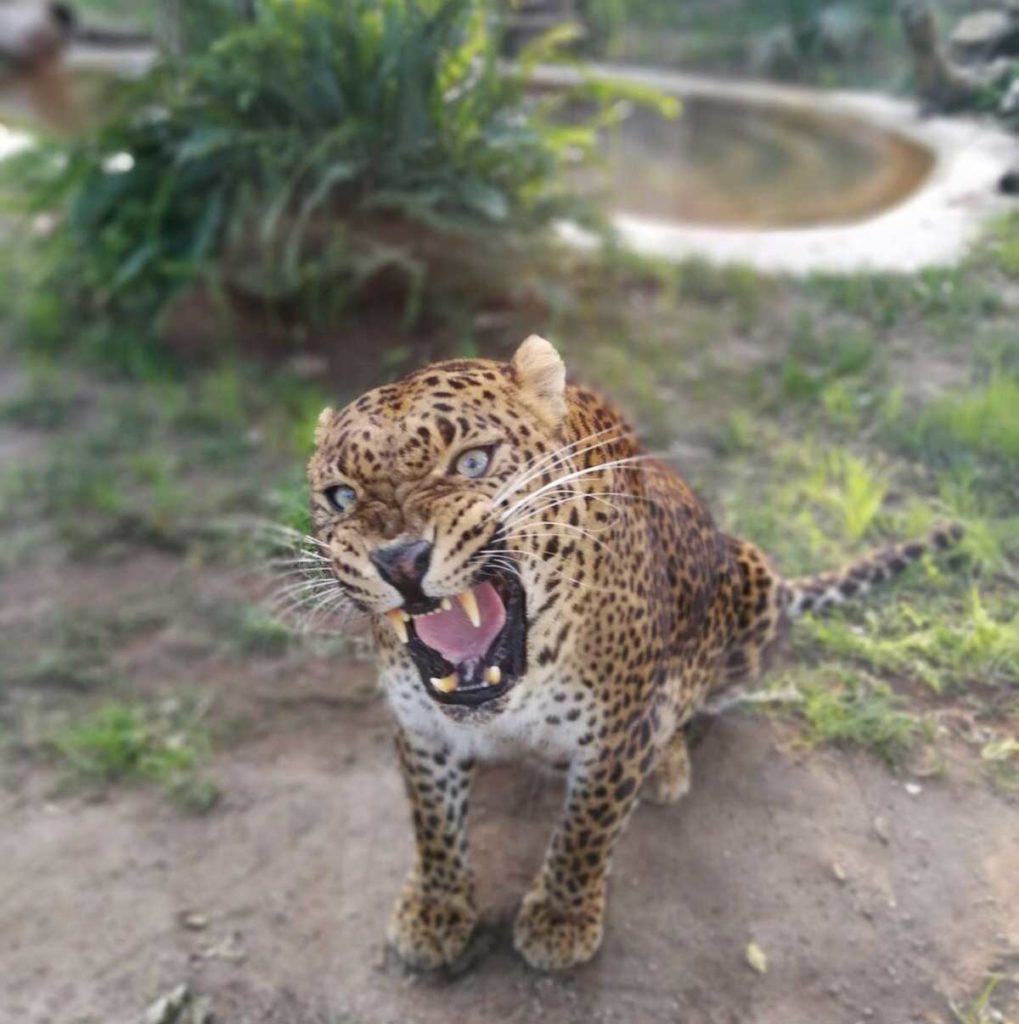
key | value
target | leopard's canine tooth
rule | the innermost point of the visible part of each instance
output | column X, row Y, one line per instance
column 398, row 617
column 446, row 685
column 493, row 675
column 470, row 606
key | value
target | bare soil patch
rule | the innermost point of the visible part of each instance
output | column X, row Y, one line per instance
column 871, row 902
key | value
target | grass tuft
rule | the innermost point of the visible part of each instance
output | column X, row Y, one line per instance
column 859, row 711
column 133, row 742
column 1003, row 244
column 980, row 1010
column 984, row 421
column 948, row 647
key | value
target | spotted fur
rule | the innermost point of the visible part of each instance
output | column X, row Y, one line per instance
column 638, row 610
column 824, row 591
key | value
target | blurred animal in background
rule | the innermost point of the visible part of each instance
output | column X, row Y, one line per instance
column 33, row 38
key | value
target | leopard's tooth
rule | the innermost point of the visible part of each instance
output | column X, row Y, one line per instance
column 493, row 675
column 446, row 604
column 470, row 606
column 398, row 618
column 447, row 685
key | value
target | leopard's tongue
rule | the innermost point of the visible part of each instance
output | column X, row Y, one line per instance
column 452, row 633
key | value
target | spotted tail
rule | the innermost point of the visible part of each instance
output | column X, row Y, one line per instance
column 818, row 593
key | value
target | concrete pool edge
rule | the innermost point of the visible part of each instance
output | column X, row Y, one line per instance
column 935, row 226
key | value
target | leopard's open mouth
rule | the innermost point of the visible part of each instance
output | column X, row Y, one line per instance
column 469, row 649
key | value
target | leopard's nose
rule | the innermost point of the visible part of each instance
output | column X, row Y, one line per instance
column 403, row 565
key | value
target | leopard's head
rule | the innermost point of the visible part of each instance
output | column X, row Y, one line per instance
column 417, row 489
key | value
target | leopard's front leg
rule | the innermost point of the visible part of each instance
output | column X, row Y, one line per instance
column 435, row 914
column 561, row 919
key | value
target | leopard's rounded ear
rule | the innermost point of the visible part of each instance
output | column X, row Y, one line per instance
column 325, row 420
column 541, row 374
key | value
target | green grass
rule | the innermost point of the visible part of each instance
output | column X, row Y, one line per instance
column 849, row 490
column 48, row 405
column 149, row 467
column 1003, row 244
column 984, row 420
column 1001, row 758
column 837, row 442
column 74, row 650
column 103, row 498
column 980, row 1011
column 808, row 505
column 853, row 709
column 952, row 646
column 818, row 359
column 945, row 300
column 74, row 659
column 255, row 632
column 133, row 742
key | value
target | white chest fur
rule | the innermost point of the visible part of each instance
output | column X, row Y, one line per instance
column 542, row 718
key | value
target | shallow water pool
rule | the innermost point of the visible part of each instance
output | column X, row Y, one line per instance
column 740, row 164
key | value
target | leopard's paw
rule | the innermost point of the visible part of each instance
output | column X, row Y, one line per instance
column 552, row 938
column 430, row 931
column 663, row 788
column 670, row 779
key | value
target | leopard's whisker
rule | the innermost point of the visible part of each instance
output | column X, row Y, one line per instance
column 564, row 455
column 554, row 502
column 560, row 482
column 533, row 467
column 286, row 582
column 304, row 558
column 597, row 497
column 505, row 566
column 602, row 467
column 268, row 528
column 537, row 531
column 285, row 605
column 341, row 610
column 560, row 457
column 309, row 585
column 301, row 565
column 311, row 615
column 297, row 565
column 542, row 565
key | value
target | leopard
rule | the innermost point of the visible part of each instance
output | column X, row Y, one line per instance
column 540, row 587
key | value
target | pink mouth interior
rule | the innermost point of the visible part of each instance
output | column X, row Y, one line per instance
column 452, row 634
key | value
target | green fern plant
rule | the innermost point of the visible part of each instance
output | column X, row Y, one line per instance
column 305, row 156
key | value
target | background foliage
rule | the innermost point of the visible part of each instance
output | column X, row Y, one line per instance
column 383, row 148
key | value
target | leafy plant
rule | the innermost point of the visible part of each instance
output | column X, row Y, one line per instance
column 320, row 152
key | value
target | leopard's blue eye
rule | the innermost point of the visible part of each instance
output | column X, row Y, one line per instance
column 474, row 463
column 341, row 497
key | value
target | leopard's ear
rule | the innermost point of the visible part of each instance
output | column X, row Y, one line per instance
column 541, row 374
column 325, row 420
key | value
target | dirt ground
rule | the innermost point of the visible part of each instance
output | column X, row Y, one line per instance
column 871, row 900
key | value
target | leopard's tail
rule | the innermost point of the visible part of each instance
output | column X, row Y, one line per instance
column 818, row 593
